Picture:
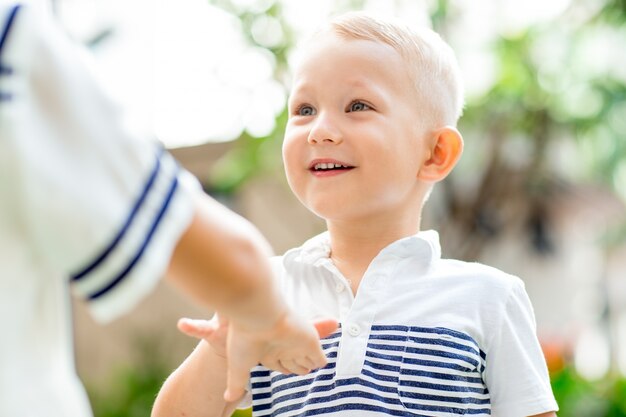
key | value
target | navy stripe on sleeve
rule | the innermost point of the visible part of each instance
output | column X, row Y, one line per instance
column 4, row 69
column 120, row 277
column 7, row 27
column 133, row 213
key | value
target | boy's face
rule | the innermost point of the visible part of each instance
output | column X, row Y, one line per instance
column 354, row 143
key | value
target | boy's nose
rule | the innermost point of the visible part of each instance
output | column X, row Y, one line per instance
column 324, row 131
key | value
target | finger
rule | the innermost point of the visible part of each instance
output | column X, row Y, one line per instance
column 318, row 358
column 276, row 365
column 325, row 327
column 294, row 367
column 236, row 380
column 200, row 329
column 305, row 362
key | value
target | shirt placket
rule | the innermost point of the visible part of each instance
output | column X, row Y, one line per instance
column 358, row 313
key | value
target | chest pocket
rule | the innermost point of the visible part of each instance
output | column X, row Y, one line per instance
column 441, row 374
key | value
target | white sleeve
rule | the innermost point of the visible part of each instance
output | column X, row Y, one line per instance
column 93, row 199
column 516, row 372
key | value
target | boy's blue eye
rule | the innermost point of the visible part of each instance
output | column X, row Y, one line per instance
column 358, row 106
column 305, row 110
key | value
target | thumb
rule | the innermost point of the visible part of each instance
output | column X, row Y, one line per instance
column 200, row 329
column 325, row 327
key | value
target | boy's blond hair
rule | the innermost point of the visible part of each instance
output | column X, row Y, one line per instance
column 431, row 63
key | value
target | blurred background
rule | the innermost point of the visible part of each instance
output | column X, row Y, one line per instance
column 540, row 191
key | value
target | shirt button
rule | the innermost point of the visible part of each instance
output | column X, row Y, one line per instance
column 339, row 287
column 354, row 329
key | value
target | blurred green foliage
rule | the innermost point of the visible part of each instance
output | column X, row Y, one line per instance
column 250, row 156
column 132, row 388
column 578, row 397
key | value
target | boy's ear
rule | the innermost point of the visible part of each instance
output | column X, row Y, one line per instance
column 446, row 146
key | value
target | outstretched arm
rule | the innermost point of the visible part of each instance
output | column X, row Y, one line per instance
column 196, row 388
column 222, row 261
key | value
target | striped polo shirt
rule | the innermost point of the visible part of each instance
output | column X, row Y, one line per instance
column 424, row 336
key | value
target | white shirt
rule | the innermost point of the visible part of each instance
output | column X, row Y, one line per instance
column 424, row 336
column 84, row 207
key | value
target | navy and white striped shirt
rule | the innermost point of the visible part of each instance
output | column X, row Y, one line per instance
column 423, row 337
column 407, row 371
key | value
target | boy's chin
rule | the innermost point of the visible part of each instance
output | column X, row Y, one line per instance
column 340, row 213
column 327, row 213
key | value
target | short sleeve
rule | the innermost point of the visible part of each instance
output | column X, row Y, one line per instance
column 95, row 199
column 516, row 372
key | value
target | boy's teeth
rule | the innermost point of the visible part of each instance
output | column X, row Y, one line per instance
column 330, row 165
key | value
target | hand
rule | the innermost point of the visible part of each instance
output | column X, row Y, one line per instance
column 291, row 347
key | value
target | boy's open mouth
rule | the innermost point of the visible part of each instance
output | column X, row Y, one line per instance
column 330, row 166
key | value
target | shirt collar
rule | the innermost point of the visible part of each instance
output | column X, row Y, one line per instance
column 423, row 245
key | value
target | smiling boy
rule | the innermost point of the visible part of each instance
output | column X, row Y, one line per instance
column 373, row 112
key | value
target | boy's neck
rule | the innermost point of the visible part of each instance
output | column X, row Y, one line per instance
column 355, row 244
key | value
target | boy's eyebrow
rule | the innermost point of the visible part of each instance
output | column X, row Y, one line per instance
column 298, row 93
column 293, row 98
column 303, row 88
column 355, row 81
column 298, row 87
